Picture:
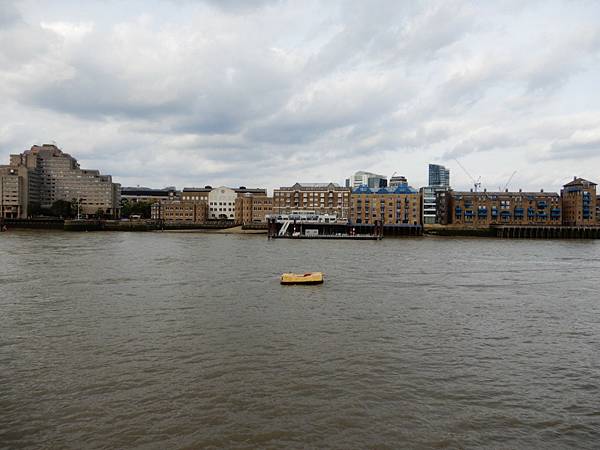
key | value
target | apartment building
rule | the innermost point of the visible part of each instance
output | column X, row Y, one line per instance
column 179, row 211
column 253, row 208
column 579, row 202
column 318, row 198
column 400, row 205
column 482, row 209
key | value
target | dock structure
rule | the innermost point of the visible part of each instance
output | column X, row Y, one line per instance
column 291, row 229
column 547, row 232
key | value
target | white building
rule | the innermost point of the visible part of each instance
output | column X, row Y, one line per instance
column 221, row 203
column 398, row 180
column 369, row 179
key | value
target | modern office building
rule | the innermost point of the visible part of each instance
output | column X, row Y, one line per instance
column 48, row 175
column 317, row 198
column 439, row 175
column 398, row 180
column 390, row 206
column 579, row 202
column 482, row 209
column 369, row 179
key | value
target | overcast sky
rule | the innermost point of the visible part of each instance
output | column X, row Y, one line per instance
column 267, row 93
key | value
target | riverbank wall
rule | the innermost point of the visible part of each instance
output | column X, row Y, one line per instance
column 497, row 231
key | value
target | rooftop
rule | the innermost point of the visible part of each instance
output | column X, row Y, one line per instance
column 402, row 189
column 580, row 181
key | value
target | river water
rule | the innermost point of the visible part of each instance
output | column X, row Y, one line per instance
column 187, row 340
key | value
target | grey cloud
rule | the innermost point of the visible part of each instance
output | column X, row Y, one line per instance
column 244, row 87
column 9, row 15
column 485, row 140
column 332, row 104
column 581, row 144
column 239, row 5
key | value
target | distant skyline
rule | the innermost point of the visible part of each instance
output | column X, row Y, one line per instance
column 268, row 92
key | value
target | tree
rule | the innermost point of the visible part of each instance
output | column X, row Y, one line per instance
column 34, row 209
column 142, row 209
column 62, row 208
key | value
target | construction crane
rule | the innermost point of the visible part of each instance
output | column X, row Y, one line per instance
column 508, row 182
column 476, row 183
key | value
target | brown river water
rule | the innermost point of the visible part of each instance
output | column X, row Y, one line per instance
column 187, row 340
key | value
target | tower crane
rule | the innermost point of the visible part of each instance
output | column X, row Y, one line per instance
column 476, row 183
column 509, row 180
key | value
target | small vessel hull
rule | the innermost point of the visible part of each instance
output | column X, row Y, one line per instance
column 305, row 278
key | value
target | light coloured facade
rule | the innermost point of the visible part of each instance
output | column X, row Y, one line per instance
column 391, row 206
column 430, row 205
column 398, row 180
column 49, row 175
column 318, row 198
column 221, row 203
column 579, row 203
column 369, row 179
column 482, row 209
column 253, row 208
column 13, row 192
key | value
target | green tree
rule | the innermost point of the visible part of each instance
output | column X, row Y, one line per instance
column 142, row 209
column 34, row 209
column 62, row 208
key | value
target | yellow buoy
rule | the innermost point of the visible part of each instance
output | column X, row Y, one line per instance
column 302, row 278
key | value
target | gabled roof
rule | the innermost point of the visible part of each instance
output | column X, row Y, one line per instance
column 402, row 189
column 316, row 185
column 579, row 182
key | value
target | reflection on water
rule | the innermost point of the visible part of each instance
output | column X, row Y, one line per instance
column 167, row 340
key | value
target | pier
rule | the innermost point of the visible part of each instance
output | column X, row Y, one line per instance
column 289, row 229
column 546, row 232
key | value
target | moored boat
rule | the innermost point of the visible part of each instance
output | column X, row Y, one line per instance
column 302, row 278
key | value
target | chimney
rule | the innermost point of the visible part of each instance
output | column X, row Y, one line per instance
column 506, row 190
column 520, row 190
column 541, row 190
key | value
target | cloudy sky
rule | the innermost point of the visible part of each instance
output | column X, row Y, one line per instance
column 266, row 92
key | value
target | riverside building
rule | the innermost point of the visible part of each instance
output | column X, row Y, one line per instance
column 147, row 195
column 199, row 205
column 48, row 175
column 179, row 211
column 390, row 206
column 201, row 194
column 315, row 198
column 253, row 208
column 14, row 198
column 579, row 203
column 482, row 209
